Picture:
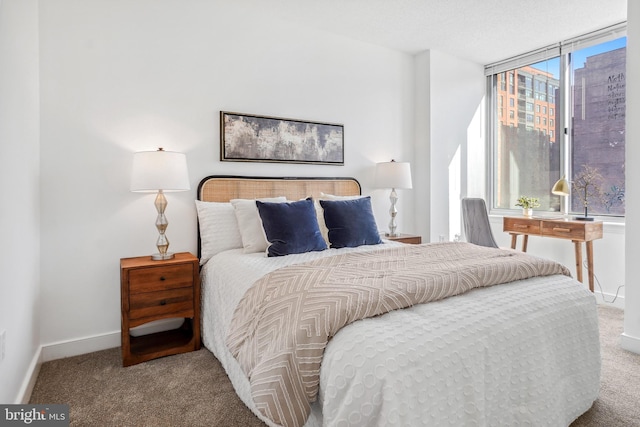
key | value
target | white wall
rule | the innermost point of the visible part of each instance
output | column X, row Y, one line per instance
column 452, row 106
column 119, row 77
column 421, row 165
column 631, row 336
column 19, row 190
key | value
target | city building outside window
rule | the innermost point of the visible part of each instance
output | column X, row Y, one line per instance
column 581, row 84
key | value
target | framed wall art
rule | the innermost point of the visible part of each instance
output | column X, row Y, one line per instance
column 250, row 138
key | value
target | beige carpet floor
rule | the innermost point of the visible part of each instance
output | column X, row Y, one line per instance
column 193, row 390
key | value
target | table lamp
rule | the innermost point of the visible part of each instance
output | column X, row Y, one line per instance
column 561, row 187
column 393, row 175
column 160, row 171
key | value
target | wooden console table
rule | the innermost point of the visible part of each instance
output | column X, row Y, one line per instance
column 576, row 231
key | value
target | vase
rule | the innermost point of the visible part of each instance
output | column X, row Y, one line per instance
column 527, row 212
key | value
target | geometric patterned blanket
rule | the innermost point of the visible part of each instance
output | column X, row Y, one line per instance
column 284, row 321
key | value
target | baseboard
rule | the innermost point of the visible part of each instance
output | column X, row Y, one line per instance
column 605, row 299
column 80, row 346
column 630, row 343
column 76, row 347
column 24, row 395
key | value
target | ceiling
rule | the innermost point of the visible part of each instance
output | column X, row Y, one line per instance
column 482, row 31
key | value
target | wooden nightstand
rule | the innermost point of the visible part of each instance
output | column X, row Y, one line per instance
column 405, row 238
column 152, row 290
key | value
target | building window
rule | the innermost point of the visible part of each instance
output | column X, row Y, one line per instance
column 528, row 160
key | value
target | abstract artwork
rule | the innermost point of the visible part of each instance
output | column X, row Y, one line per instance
column 250, row 138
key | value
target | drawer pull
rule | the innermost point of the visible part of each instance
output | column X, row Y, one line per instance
column 520, row 226
column 163, row 302
column 564, row 230
column 162, row 278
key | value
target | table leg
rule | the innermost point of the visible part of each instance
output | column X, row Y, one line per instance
column 590, row 263
column 514, row 241
column 525, row 240
column 578, row 246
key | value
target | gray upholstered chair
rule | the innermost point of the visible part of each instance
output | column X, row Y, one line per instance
column 475, row 218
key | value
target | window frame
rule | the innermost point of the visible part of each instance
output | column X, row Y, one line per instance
column 562, row 50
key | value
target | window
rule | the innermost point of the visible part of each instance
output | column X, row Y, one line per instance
column 598, row 83
column 581, row 83
column 526, row 160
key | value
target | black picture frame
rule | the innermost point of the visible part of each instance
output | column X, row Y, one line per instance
column 253, row 138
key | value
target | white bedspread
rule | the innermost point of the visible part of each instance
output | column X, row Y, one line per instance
column 525, row 353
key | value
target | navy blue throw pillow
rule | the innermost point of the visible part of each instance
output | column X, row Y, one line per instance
column 350, row 222
column 291, row 228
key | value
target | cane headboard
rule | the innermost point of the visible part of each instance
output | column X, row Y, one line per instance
column 225, row 188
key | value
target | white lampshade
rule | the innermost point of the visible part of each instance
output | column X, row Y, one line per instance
column 159, row 170
column 393, row 175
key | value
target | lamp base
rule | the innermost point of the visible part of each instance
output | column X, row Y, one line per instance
column 161, row 257
column 583, row 218
column 391, row 234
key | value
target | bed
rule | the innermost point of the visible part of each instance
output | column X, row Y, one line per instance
column 524, row 352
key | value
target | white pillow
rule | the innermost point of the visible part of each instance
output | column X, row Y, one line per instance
column 218, row 229
column 324, row 196
column 320, row 212
column 321, row 224
column 250, row 225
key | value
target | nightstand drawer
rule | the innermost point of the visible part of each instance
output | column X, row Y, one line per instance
column 177, row 302
column 521, row 225
column 159, row 278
